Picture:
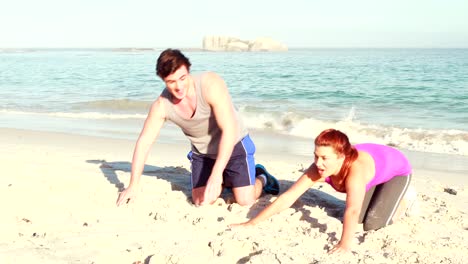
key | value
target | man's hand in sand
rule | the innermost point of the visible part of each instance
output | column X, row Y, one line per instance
column 213, row 189
column 127, row 196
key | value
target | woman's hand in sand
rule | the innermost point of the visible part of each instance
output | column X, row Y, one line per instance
column 340, row 248
column 240, row 225
column 127, row 196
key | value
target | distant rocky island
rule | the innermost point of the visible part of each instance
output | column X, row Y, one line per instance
column 225, row 43
column 210, row 43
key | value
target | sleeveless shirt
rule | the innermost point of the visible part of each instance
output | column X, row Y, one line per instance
column 389, row 162
column 201, row 129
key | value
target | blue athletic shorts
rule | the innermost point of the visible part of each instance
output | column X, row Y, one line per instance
column 239, row 172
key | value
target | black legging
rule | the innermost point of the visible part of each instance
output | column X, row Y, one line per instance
column 382, row 201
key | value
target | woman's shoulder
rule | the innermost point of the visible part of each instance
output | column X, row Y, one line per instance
column 364, row 165
column 364, row 159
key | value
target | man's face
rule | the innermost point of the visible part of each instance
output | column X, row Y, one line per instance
column 178, row 82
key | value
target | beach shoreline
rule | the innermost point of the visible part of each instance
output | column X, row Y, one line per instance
column 59, row 192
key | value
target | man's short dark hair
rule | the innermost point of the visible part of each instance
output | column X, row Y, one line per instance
column 169, row 61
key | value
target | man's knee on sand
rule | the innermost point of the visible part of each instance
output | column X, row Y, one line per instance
column 245, row 201
column 244, row 196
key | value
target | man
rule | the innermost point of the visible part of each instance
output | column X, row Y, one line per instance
column 222, row 152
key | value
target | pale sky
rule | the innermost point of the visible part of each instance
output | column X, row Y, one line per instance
column 183, row 23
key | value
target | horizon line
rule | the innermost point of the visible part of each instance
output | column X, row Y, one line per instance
column 201, row 49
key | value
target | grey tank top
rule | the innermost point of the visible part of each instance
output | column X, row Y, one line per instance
column 202, row 129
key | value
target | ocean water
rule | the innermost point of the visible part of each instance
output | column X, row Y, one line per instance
column 414, row 99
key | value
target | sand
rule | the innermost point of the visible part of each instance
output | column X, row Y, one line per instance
column 58, row 194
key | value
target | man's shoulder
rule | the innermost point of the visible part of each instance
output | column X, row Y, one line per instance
column 159, row 107
column 210, row 80
column 208, row 76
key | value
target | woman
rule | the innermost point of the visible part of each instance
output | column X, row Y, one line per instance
column 374, row 177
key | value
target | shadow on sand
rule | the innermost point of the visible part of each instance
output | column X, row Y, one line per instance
column 313, row 197
column 179, row 177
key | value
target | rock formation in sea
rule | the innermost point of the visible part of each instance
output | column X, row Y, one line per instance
column 225, row 43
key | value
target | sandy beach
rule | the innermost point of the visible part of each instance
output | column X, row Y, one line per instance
column 58, row 194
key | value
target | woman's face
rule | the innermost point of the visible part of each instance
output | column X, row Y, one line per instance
column 328, row 162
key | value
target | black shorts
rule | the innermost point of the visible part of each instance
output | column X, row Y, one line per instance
column 239, row 171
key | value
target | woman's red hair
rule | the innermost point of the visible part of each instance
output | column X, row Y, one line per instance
column 340, row 143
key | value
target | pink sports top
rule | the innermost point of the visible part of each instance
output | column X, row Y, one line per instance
column 389, row 162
